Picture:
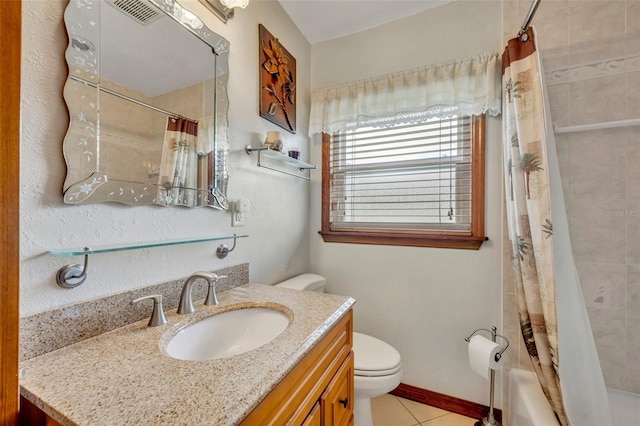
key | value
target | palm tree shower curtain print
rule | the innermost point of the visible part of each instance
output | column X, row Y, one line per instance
column 528, row 201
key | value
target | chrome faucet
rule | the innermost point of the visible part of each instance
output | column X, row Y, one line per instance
column 186, row 302
column 157, row 316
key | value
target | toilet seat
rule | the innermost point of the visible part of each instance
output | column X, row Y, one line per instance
column 373, row 357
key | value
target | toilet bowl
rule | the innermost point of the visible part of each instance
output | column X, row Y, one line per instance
column 378, row 369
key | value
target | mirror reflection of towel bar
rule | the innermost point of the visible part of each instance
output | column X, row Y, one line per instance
column 127, row 98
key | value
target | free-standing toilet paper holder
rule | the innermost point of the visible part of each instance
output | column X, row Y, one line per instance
column 490, row 420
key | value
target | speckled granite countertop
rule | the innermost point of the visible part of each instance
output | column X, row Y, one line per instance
column 123, row 377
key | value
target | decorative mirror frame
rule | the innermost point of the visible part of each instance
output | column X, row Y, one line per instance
column 82, row 140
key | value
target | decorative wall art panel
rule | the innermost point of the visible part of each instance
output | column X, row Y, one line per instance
column 277, row 81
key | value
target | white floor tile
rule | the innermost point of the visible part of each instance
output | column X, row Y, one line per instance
column 389, row 410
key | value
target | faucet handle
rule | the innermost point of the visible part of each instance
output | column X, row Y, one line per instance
column 212, row 297
column 157, row 316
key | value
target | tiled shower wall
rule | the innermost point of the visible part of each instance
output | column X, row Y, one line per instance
column 591, row 56
column 132, row 145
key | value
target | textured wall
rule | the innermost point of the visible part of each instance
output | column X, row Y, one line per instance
column 591, row 55
column 278, row 246
column 423, row 301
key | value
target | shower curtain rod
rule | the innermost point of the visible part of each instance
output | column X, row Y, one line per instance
column 527, row 20
column 598, row 126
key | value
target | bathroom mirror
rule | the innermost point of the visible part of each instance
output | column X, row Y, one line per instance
column 147, row 100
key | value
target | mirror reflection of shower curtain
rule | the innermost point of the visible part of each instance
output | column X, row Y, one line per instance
column 553, row 317
column 204, row 147
column 178, row 180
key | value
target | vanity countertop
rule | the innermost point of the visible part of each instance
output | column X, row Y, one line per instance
column 123, row 377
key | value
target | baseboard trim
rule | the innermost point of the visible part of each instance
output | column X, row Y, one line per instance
column 445, row 402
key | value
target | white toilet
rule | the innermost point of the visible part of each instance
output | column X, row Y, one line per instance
column 377, row 364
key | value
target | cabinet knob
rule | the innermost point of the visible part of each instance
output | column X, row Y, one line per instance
column 344, row 402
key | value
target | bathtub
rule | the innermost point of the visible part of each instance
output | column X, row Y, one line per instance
column 529, row 407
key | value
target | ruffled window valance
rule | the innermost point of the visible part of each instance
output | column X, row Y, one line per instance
column 461, row 87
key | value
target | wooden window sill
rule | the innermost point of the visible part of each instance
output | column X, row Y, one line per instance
column 465, row 242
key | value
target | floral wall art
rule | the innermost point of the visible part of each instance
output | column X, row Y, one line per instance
column 277, row 82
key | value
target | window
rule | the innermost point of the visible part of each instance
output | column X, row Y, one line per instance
column 410, row 184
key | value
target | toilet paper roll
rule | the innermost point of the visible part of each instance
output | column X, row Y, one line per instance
column 482, row 355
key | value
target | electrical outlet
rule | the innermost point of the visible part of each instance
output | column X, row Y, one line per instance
column 240, row 207
column 237, row 218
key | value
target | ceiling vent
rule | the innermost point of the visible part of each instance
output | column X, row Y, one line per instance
column 138, row 10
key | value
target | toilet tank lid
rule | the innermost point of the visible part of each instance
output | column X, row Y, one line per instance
column 309, row 282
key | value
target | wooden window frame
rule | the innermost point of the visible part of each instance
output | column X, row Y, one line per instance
column 471, row 240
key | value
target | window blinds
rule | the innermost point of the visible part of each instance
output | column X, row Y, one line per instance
column 405, row 177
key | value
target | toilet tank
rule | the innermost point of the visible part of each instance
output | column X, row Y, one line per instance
column 309, row 282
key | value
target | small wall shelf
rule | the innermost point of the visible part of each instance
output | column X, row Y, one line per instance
column 281, row 158
column 72, row 275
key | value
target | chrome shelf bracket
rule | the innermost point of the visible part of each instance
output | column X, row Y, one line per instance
column 223, row 250
column 72, row 275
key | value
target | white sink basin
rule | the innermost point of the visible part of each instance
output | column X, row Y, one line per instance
column 227, row 334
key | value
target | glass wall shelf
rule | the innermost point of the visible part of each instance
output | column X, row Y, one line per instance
column 281, row 158
column 72, row 275
column 140, row 245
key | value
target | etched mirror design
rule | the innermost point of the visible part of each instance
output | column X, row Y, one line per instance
column 148, row 104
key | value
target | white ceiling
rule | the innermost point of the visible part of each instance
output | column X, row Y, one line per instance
column 322, row 20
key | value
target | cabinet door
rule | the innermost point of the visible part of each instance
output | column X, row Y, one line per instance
column 337, row 400
column 295, row 396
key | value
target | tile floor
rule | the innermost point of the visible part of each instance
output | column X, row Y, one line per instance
column 390, row 410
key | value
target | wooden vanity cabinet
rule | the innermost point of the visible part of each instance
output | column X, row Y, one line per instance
column 319, row 390
column 337, row 400
column 30, row 415
column 335, row 407
column 315, row 416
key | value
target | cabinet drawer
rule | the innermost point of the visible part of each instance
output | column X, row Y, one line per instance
column 337, row 400
column 315, row 416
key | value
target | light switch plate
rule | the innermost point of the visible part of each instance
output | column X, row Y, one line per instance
column 242, row 205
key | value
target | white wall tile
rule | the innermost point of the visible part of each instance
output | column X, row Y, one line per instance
column 597, row 100
column 603, row 285
column 597, row 164
column 597, row 230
